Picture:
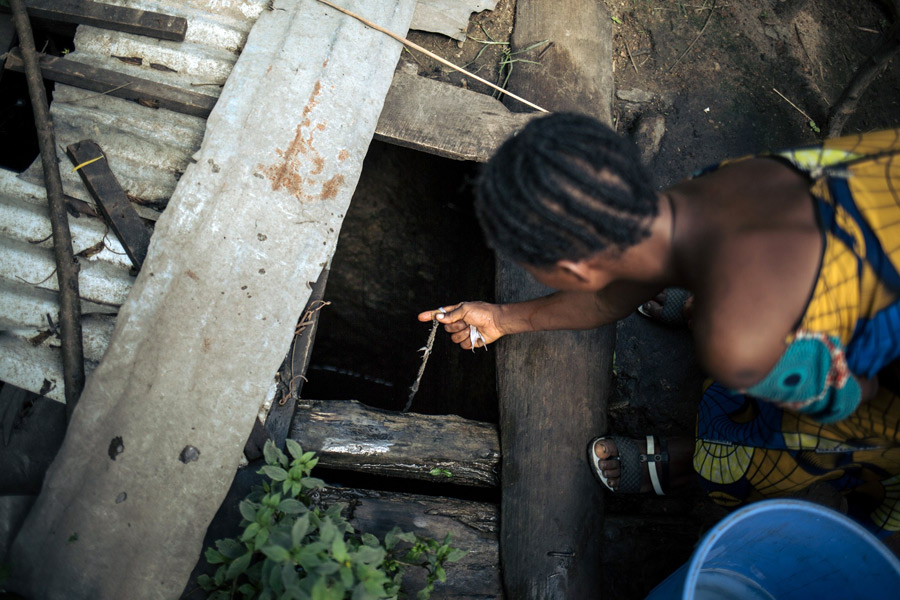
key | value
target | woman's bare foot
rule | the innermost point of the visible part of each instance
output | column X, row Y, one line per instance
column 680, row 462
column 672, row 306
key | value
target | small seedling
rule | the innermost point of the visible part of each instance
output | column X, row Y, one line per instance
column 439, row 472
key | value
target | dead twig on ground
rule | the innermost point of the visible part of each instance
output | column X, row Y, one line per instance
column 628, row 50
column 67, row 266
column 688, row 49
column 811, row 122
column 430, row 54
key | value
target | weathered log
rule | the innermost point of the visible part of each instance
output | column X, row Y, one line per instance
column 473, row 526
column 553, row 386
column 350, row 436
column 108, row 16
column 66, row 265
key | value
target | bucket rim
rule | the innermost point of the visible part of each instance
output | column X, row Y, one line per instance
column 778, row 504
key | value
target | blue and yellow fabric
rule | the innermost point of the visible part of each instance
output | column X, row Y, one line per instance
column 748, row 448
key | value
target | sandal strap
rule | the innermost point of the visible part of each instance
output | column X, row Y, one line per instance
column 630, row 463
column 658, row 477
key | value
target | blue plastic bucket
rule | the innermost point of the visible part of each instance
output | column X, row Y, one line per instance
column 792, row 549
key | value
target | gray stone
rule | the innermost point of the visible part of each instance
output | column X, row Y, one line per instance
column 635, row 95
column 648, row 135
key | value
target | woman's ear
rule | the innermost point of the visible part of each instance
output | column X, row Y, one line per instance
column 580, row 270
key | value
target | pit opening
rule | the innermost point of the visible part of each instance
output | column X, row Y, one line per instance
column 410, row 242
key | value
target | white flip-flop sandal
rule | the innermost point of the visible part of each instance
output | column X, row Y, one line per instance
column 631, row 460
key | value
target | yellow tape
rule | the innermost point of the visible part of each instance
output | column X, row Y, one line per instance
column 87, row 162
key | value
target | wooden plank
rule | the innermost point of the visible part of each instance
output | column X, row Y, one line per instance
column 7, row 35
column 104, row 188
column 348, row 435
column 445, row 120
column 473, row 526
column 106, row 81
column 553, row 386
column 278, row 422
column 108, row 16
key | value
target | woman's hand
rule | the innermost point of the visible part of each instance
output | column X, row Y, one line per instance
column 458, row 318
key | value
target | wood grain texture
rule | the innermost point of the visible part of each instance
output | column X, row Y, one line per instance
column 473, row 526
column 348, row 435
column 108, row 16
column 445, row 120
column 106, row 81
column 553, row 386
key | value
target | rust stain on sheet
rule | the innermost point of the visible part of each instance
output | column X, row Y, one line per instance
column 300, row 161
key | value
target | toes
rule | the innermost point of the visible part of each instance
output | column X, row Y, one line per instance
column 613, row 482
column 605, row 449
column 610, row 468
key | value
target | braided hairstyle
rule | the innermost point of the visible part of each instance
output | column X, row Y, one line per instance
column 564, row 188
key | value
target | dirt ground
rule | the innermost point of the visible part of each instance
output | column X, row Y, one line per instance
column 697, row 81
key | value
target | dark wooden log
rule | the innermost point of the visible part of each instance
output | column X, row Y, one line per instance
column 108, row 16
column 106, row 81
column 553, row 386
column 473, row 526
column 444, row 119
column 101, row 183
column 7, row 35
column 66, row 265
column 347, row 435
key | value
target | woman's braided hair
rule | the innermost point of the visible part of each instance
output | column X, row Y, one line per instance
column 564, row 188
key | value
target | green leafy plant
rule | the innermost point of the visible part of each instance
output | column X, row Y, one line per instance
column 291, row 549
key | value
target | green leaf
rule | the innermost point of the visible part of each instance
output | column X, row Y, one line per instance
column 327, row 531
column 261, row 538
column 339, row 549
column 440, row 573
column 213, row 556
column 370, row 555
column 219, row 577
column 247, row 590
column 248, row 510
column 312, row 483
column 327, row 568
column 289, row 576
column 439, row 472
column 370, row 540
column 204, row 581
column 289, row 506
column 814, row 127
column 250, row 532
column 276, row 553
column 299, row 529
column 347, row 578
column 407, row 536
column 307, row 456
column 238, row 566
column 616, row 20
column 456, row 554
column 273, row 455
column 274, row 473
column 230, row 548
column 294, row 448
column 391, row 538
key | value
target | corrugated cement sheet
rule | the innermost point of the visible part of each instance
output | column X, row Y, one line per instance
column 148, row 150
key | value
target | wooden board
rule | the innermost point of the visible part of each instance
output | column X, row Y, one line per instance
column 7, row 35
column 110, row 198
column 108, row 16
column 445, row 120
column 348, row 435
column 105, row 81
column 553, row 386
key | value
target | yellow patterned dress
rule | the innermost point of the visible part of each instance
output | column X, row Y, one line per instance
column 748, row 448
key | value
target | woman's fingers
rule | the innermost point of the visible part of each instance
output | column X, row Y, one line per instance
column 431, row 314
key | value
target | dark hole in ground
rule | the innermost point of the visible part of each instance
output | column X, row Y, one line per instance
column 17, row 128
column 410, row 242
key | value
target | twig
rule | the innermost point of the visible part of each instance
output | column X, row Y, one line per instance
column 430, row 54
column 797, row 108
column 708, row 18
column 427, row 348
column 110, row 91
column 67, row 266
column 628, row 50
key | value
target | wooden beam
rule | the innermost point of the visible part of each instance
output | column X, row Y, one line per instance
column 348, row 435
column 104, row 188
column 7, row 35
column 108, row 16
column 473, row 526
column 553, row 386
column 445, row 120
column 106, row 81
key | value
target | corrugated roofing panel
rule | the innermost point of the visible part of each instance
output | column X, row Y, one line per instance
column 148, row 150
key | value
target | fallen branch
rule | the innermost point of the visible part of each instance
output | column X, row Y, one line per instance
column 712, row 9
column 432, row 55
column 862, row 79
column 67, row 267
